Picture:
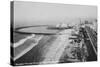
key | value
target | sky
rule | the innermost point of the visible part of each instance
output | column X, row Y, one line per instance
column 38, row 13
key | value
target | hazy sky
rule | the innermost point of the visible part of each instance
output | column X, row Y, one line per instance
column 30, row 13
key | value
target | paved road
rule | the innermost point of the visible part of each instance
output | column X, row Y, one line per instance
column 93, row 38
column 91, row 43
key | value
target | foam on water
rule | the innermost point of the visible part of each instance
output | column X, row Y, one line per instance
column 24, row 51
column 22, row 41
